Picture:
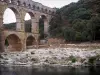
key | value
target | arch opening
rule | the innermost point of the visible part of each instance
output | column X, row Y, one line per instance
column 10, row 1
column 13, row 43
column 30, row 42
column 42, row 21
column 10, row 18
column 28, row 22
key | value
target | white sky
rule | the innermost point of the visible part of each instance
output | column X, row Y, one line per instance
column 9, row 15
column 55, row 3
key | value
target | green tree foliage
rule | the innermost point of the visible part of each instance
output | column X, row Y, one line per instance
column 69, row 34
column 41, row 28
column 12, row 26
column 56, row 26
column 77, row 21
column 94, row 27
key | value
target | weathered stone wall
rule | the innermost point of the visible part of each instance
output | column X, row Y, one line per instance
column 14, row 43
column 29, row 4
column 20, row 8
column 55, row 41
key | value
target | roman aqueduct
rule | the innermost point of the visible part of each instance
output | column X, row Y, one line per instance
column 18, row 39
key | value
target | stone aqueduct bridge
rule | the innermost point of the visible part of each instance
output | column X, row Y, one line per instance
column 18, row 39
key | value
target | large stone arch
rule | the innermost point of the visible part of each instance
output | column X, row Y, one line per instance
column 17, row 15
column 30, row 41
column 13, row 43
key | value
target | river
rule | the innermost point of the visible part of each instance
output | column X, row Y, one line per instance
column 22, row 70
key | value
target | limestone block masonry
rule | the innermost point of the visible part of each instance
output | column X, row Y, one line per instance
column 18, row 38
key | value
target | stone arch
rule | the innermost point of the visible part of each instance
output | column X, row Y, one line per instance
column 43, row 26
column 44, row 17
column 34, row 6
column 29, row 24
column 30, row 41
column 46, row 10
column 13, row 43
column 38, row 8
column 17, row 16
column 18, row 2
column 10, row 1
column 31, row 14
column 49, row 11
column 29, row 5
column 24, row 4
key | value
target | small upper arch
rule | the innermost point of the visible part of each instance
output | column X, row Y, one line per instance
column 30, row 13
column 43, row 16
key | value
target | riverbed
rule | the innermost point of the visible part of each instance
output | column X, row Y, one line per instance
column 52, row 56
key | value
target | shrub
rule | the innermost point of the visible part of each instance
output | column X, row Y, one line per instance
column 73, row 59
column 1, row 57
column 92, row 60
column 78, row 36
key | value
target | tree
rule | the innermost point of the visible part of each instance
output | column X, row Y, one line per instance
column 81, row 18
column 69, row 34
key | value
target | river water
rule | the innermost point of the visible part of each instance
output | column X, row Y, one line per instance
column 19, row 70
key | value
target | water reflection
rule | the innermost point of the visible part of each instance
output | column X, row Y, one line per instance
column 15, row 70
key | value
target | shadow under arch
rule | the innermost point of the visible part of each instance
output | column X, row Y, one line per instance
column 42, row 26
column 30, row 41
column 13, row 43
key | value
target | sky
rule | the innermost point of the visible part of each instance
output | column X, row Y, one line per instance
column 10, row 17
column 55, row 3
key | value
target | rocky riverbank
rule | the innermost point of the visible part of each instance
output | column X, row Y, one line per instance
column 52, row 56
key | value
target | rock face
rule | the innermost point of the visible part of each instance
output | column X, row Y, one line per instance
column 50, row 56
